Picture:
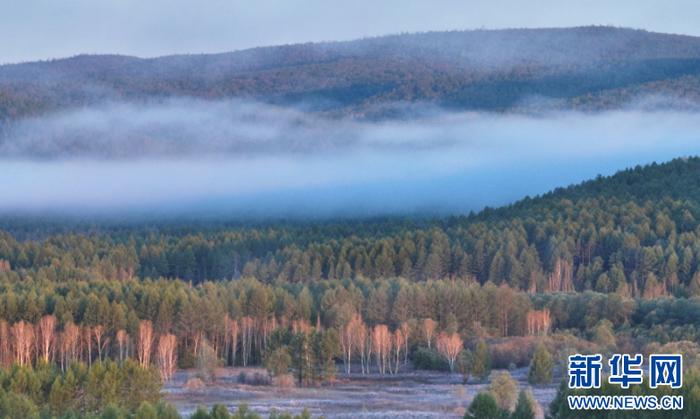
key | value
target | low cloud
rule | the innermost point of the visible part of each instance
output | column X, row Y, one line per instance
column 249, row 159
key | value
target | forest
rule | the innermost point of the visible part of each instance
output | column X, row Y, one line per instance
column 633, row 234
column 95, row 316
column 584, row 68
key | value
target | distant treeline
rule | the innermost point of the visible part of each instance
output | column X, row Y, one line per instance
column 571, row 68
column 635, row 233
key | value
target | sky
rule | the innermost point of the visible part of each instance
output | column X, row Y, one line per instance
column 45, row 29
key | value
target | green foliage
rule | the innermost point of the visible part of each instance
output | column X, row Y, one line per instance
column 206, row 363
column 201, row 413
column 114, row 412
column 541, row 366
column 523, row 409
column 463, row 365
column 481, row 361
column 429, row 359
column 304, row 359
column 622, row 242
column 278, row 361
column 146, row 411
column 484, row 406
column 167, row 411
column 107, row 389
column 504, row 390
column 16, row 405
column 328, row 350
column 220, row 412
column 633, row 234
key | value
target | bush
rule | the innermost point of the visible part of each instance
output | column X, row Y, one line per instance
column 284, row 381
column 514, row 351
column 254, row 379
column 429, row 359
column 278, row 361
column 505, row 391
column 195, row 383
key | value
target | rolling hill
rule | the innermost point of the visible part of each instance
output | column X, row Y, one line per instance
column 589, row 68
column 634, row 233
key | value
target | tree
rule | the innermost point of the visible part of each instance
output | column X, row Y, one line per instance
column 538, row 322
column 398, row 343
column 14, row 405
column 201, row 413
column 484, row 406
column 523, row 409
column 604, row 335
column 122, row 341
column 350, row 339
column 145, row 343
column 167, row 355
column 463, row 365
column 304, row 358
column 233, row 332
column 114, row 412
column 541, row 366
column 429, row 326
column 219, row 411
column 381, row 346
column 23, row 337
column 47, row 331
column 207, row 361
column 167, row 411
column 62, row 394
column 505, row 390
column 278, row 361
column 481, row 361
column 146, row 411
column 450, row 347
column 329, row 349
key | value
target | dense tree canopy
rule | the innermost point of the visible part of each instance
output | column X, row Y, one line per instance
column 610, row 264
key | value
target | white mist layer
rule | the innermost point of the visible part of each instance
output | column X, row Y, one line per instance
column 444, row 163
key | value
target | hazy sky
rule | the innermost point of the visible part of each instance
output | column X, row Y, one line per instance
column 40, row 29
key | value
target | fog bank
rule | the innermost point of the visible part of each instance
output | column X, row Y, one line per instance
column 244, row 159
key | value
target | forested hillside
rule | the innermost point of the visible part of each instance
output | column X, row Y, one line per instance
column 464, row 293
column 588, row 68
column 634, row 233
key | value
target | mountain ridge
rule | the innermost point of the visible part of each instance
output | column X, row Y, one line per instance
column 581, row 68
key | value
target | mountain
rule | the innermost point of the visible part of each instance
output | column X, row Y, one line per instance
column 590, row 68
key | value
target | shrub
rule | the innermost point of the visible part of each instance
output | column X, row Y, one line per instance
column 505, row 390
column 429, row 359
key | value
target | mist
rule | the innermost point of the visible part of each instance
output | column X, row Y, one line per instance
column 246, row 159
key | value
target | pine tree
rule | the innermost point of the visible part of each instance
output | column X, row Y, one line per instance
column 481, row 361
column 484, row 406
column 540, row 366
column 523, row 409
column 146, row 411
